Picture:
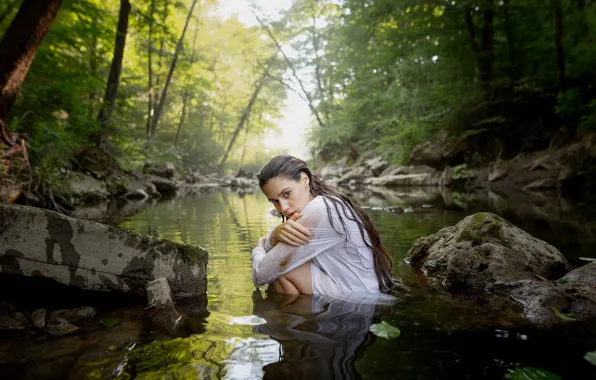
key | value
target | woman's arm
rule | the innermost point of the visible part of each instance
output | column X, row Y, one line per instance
column 283, row 258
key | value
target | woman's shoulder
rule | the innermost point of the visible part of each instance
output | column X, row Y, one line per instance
column 315, row 206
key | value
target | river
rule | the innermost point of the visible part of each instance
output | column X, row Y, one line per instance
column 248, row 334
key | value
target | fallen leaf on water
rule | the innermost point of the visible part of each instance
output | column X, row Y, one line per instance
column 109, row 322
column 385, row 330
column 531, row 373
column 591, row 357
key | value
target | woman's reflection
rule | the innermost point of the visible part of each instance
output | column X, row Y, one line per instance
column 320, row 337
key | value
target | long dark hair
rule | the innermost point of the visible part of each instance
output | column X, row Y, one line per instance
column 292, row 167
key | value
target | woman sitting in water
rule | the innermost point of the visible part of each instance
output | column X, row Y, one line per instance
column 327, row 244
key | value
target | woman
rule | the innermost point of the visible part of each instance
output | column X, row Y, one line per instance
column 327, row 244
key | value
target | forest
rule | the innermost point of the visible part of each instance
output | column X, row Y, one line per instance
column 172, row 81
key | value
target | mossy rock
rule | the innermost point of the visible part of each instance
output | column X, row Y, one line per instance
column 484, row 249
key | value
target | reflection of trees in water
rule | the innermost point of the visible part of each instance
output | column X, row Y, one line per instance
column 321, row 337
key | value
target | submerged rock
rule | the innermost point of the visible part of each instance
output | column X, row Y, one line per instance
column 89, row 255
column 63, row 328
column 11, row 322
column 160, row 303
column 72, row 315
column 39, row 318
column 484, row 249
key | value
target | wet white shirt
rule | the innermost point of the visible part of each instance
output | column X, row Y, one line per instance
column 341, row 262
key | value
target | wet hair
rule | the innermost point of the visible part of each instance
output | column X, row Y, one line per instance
column 292, row 167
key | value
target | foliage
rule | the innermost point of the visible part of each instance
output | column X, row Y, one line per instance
column 217, row 70
column 389, row 74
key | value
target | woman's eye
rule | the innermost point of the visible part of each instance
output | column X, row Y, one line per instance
column 274, row 202
column 286, row 194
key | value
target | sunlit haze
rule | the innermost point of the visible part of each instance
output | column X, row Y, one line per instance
column 295, row 119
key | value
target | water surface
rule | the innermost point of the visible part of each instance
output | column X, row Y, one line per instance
column 250, row 334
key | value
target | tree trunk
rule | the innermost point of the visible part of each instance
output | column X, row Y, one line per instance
column 150, row 69
column 181, row 122
column 245, row 138
column 19, row 45
column 109, row 99
column 487, row 52
column 559, row 45
column 291, row 66
column 510, row 39
column 245, row 114
column 164, row 94
column 156, row 88
column 186, row 95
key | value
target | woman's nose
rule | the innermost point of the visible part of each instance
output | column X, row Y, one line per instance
column 283, row 205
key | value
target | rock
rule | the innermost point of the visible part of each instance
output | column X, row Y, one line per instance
column 63, row 328
column 409, row 169
column 163, row 185
column 121, row 185
column 243, row 182
column 166, row 170
column 244, row 174
column 376, row 165
column 85, row 188
column 395, row 209
column 9, row 322
column 160, row 303
column 484, row 249
column 331, row 171
column 422, row 179
column 72, row 315
column 585, row 274
column 571, row 298
column 39, row 318
column 439, row 152
column 358, row 174
column 89, row 255
column 136, row 194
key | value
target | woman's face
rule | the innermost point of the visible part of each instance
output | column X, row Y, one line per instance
column 288, row 195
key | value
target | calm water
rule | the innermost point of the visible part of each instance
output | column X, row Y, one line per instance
column 248, row 334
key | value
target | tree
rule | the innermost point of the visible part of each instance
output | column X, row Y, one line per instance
column 19, row 45
column 109, row 99
column 164, row 94
column 246, row 112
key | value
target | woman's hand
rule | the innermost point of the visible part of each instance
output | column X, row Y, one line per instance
column 290, row 232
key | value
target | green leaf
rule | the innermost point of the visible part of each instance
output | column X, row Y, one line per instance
column 591, row 357
column 385, row 330
column 563, row 281
column 109, row 322
column 530, row 373
column 563, row 316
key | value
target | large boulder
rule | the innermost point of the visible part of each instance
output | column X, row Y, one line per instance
column 36, row 242
column 484, row 249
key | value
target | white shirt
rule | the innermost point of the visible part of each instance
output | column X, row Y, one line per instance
column 341, row 263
